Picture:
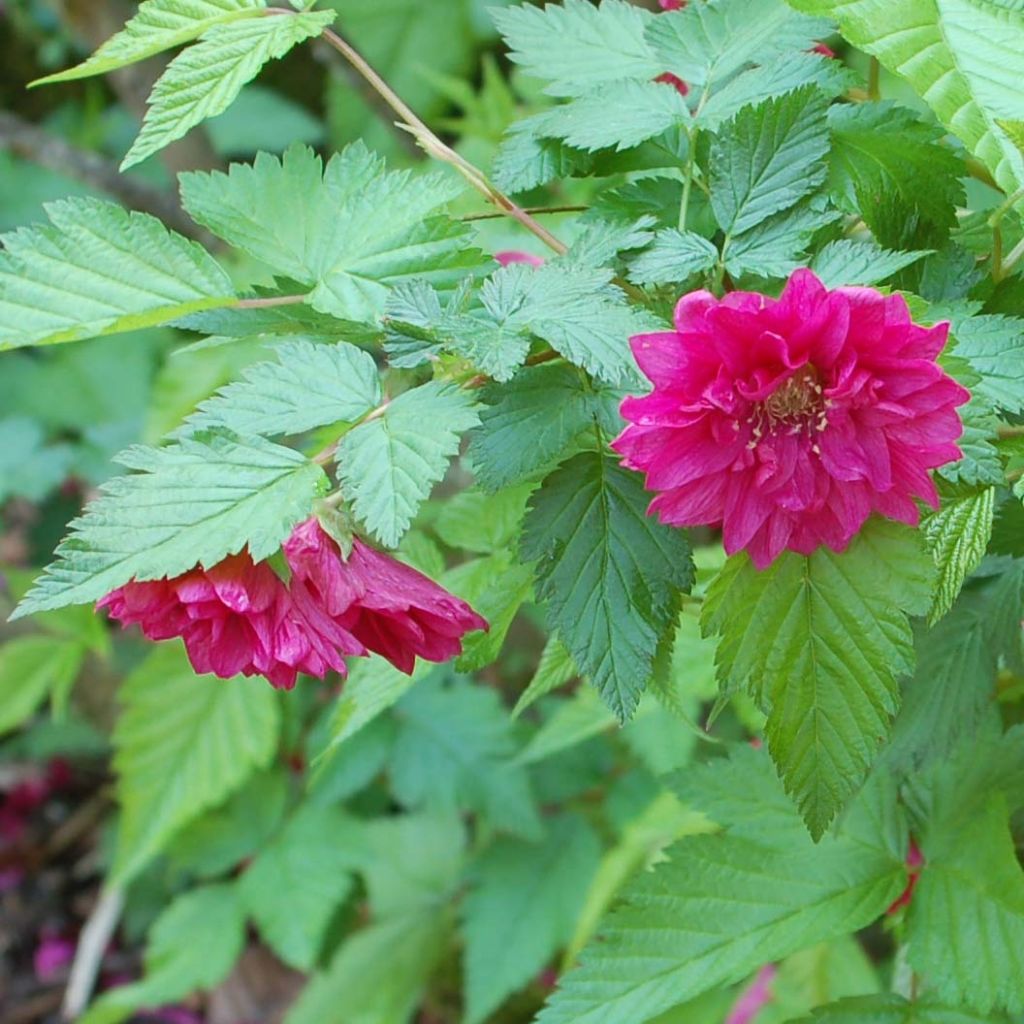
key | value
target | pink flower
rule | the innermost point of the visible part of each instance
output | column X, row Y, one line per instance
column 915, row 863
column 52, row 955
column 789, row 421
column 236, row 617
column 825, row 51
column 672, row 5
column 667, row 78
column 754, row 998
column 390, row 608
column 515, row 256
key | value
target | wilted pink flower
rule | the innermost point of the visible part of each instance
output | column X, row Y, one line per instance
column 387, row 606
column 236, row 617
column 754, row 998
column 789, row 421
column 515, row 256
column 674, row 80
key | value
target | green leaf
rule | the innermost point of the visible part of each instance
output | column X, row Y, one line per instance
column 552, row 405
column 97, row 269
column 522, row 909
column 297, row 882
column 525, row 160
column 484, row 523
column 888, row 166
column 159, row 25
column 820, row 643
column 388, row 465
column 205, row 80
column 576, row 46
column 310, row 386
column 723, row 905
column 32, row 667
column 617, row 115
column 554, row 669
column 192, row 503
column 350, row 231
column 574, row 720
column 453, row 752
column 674, row 256
column 29, row 467
column 958, row 535
column 608, row 574
column 778, row 245
column 994, row 346
column 845, row 262
column 767, row 158
column 891, row 1009
column 980, row 463
column 183, row 743
column 965, row 58
column 192, row 945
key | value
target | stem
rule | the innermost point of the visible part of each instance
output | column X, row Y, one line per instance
column 438, row 149
column 534, row 211
column 92, row 946
column 874, row 79
column 684, row 205
column 1015, row 256
column 976, row 169
column 276, row 300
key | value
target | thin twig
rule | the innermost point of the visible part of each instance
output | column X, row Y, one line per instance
column 533, row 211
column 92, row 945
column 274, row 300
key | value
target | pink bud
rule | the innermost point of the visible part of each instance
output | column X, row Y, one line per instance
column 669, row 79
column 515, row 256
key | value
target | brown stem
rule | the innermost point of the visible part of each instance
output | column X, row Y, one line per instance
column 874, row 79
column 275, row 300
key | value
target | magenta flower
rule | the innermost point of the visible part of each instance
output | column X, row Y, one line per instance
column 390, row 608
column 667, row 78
column 789, row 421
column 754, row 998
column 515, row 256
column 236, row 617
column 672, row 5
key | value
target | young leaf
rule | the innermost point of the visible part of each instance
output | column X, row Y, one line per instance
column 767, row 158
column 183, row 743
column 97, row 269
column 674, row 256
column 846, row 262
column 159, row 25
column 311, row 386
column 958, row 535
column 349, row 232
column 821, row 642
column 297, row 882
column 192, row 945
column 576, row 46
column 192, row 503
column 388, row 465
column 522, row 909
column 608, row 574
column 553, row 405
column 722, row 905
column 205, row 80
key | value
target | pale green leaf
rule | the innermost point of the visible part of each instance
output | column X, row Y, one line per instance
column 182, row 744
column 97, row 269
column 778, row 246
column 32, row 667
column 846, row 262
column 674, row 256
column 958, row 534
column 159, row 25
column 574, row 720
column 554, row 669
column 522, row 908
column 821, row 642
column 388, row 465
column 479, row 522
column 310, row 386
column 767, row 158
column 188, row 504
column 994, row 346
column 205, row 79
column 608, row 574
column 525, row 160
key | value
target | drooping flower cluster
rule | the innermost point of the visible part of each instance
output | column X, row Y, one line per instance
column 790, row 421
column 241, row 618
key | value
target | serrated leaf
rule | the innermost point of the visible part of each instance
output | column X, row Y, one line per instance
column 722, row 905
column 297, row 882
column 778, row 245
column 845, row 262
column 958, row 535
column 349, row 231
column 388, row 465
column 994, row 346
column 617, row 115
column 891, row 1009
column 158, row 25
column 600, row 241
column 821, row 642
column 576, row 46
column 554, row 669
column 767, row 158
column 608, row 575
column 522, row 909
column 182, row 745
column 310, row 386
column 98, row 269
column 525, row 160
column 673, row 256
column 964, row 57
column 191, row 503
column 980, row 463
column 192, row 945
column 206, row 79
column 31, row 667
column 553, row 405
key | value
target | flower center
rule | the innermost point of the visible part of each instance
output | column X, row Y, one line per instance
column 799, row 398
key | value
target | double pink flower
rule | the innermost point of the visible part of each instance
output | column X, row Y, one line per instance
column 241, row 618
